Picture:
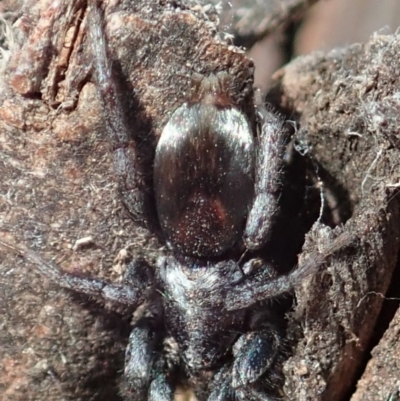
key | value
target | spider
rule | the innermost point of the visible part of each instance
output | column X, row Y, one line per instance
column 216, row 191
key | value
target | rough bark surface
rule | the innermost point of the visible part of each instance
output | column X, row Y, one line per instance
column 380, row 380
column 57, row 186
column 346, row 103
column 251, row 21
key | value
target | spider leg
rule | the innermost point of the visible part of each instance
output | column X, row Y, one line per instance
column 251, row 289
column 268, row 180
column 255, row 354
column 139, row 360
column 161, row 387
column 148, row 375
column 222, row 389
column 221, row 386
column 129, row 172
column 256, row 281
column 132, row 294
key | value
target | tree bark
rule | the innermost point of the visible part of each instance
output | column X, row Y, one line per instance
column 58, row 186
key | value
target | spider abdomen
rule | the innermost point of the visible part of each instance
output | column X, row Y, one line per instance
column 203, row 178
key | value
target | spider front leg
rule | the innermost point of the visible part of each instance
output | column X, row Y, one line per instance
column 132, row 294
column 128, row 168
column 257, row 281
column 252, row 289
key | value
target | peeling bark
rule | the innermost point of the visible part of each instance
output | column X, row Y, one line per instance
column 347, row 106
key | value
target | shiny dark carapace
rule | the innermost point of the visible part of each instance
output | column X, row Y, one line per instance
column 203, row 178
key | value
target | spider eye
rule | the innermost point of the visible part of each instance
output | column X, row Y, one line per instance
column 203, row 178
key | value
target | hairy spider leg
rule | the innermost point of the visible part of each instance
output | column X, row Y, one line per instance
column 253, row 354
column 131, row 179
column 146, row 372
column 146, row 376
column 249, row 292
column 255, row 351
column 132, row 295
column 273, row 137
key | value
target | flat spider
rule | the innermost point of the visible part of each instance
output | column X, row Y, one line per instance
column 216, row 190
